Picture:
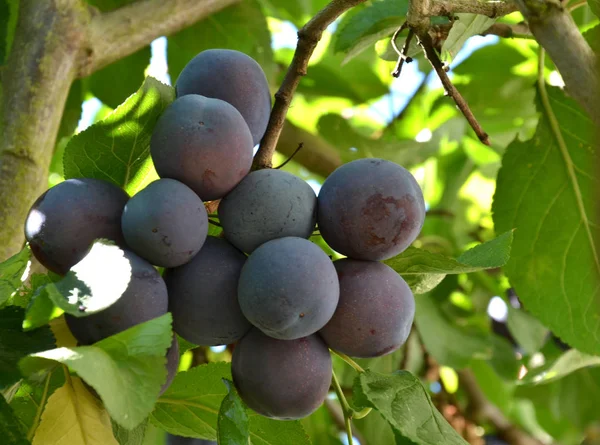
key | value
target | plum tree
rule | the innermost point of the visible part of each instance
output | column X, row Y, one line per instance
column 281, row 379
column 172, row 363
column 240, row 82
column 63, row 222
column 203, row 295
column 288, row 288
column 166, row 223
column 375, row 311
column 370, row 209
column 179, row 440
column 265, row 205
column 204, row 143
column 144, row 299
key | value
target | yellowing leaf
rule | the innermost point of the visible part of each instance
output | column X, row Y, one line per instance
column 62, row 334
column 73, row 416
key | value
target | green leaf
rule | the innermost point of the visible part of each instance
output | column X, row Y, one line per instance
column 265, row 431
column 74, row 416
column 127, row 370
column 31, row 397
column 41, row 308
column 15, row 344
column 241, row 27
column 595, row 6
column 448, row 343
column 232, row 424
column 130, row 74
column 117, row 149
column 190, row 408
column 526, row 329
column 463, row 27
column 404, row 403
column 424, row 270
column 87, row 288
column 11, row 272
column 321, row 428
column 549, row 196
column 368, row 26
column 130, row 437
column 10, row 430
column 9, row 10
column 566, row 364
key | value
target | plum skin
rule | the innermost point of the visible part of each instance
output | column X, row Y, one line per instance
column 166, row 223
column 203, row 295
column 281, row 379
column 63, row 222
column 288, row 288
column 375, row 312
column 268, row 204
column 240, row 82
column 204, row 143
column 370, row 209
column 144, row 299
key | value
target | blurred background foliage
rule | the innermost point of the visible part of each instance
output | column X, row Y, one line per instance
column 349, row 107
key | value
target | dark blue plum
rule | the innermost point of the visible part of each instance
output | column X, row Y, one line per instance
column 166, row 223
column 281, row 379
column 63, row 223
column 204, row 143
column 375, row 311
column 203, row 295
column 370, row 209
column 144, row 299
column 288, row 288
column 266, row 205
column 234, row 77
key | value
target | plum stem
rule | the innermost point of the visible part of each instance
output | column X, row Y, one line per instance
column 346, row 409
column 348, row 360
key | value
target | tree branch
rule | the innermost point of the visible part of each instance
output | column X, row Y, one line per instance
column 481, row 409
column 308, row 38
column 491, row 9
column 116, row 34
column 555, row 30
column 427, row 45
column 35, row 85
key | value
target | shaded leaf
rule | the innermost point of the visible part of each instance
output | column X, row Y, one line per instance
column 32, row 395
column 16, row 344
column 72, row 111
column 404, row 403
column 74, row 416
column 463, row 27
column 548, row 195
column 130, row 437
column 424, row 270
column 41, row 308
column 117, row 149
column 232, row 424
column 241, row 27
column 127, row 370
column 595, row 7
column 265, row 431
column 564, row 365
column 526, row 329
column 129, row 72
column 10, row 430
column 368, row 26
column 448, row 343
column 11, row 272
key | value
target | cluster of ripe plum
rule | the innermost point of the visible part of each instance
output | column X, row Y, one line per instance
column 262, row 285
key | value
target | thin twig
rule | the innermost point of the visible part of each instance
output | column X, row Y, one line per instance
column 300, row 145
column 214, row 223
column 403, row 56
column 308, row 38
column 395, row 36
column 348, row 360
column 345, row 407
column 431, row 55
